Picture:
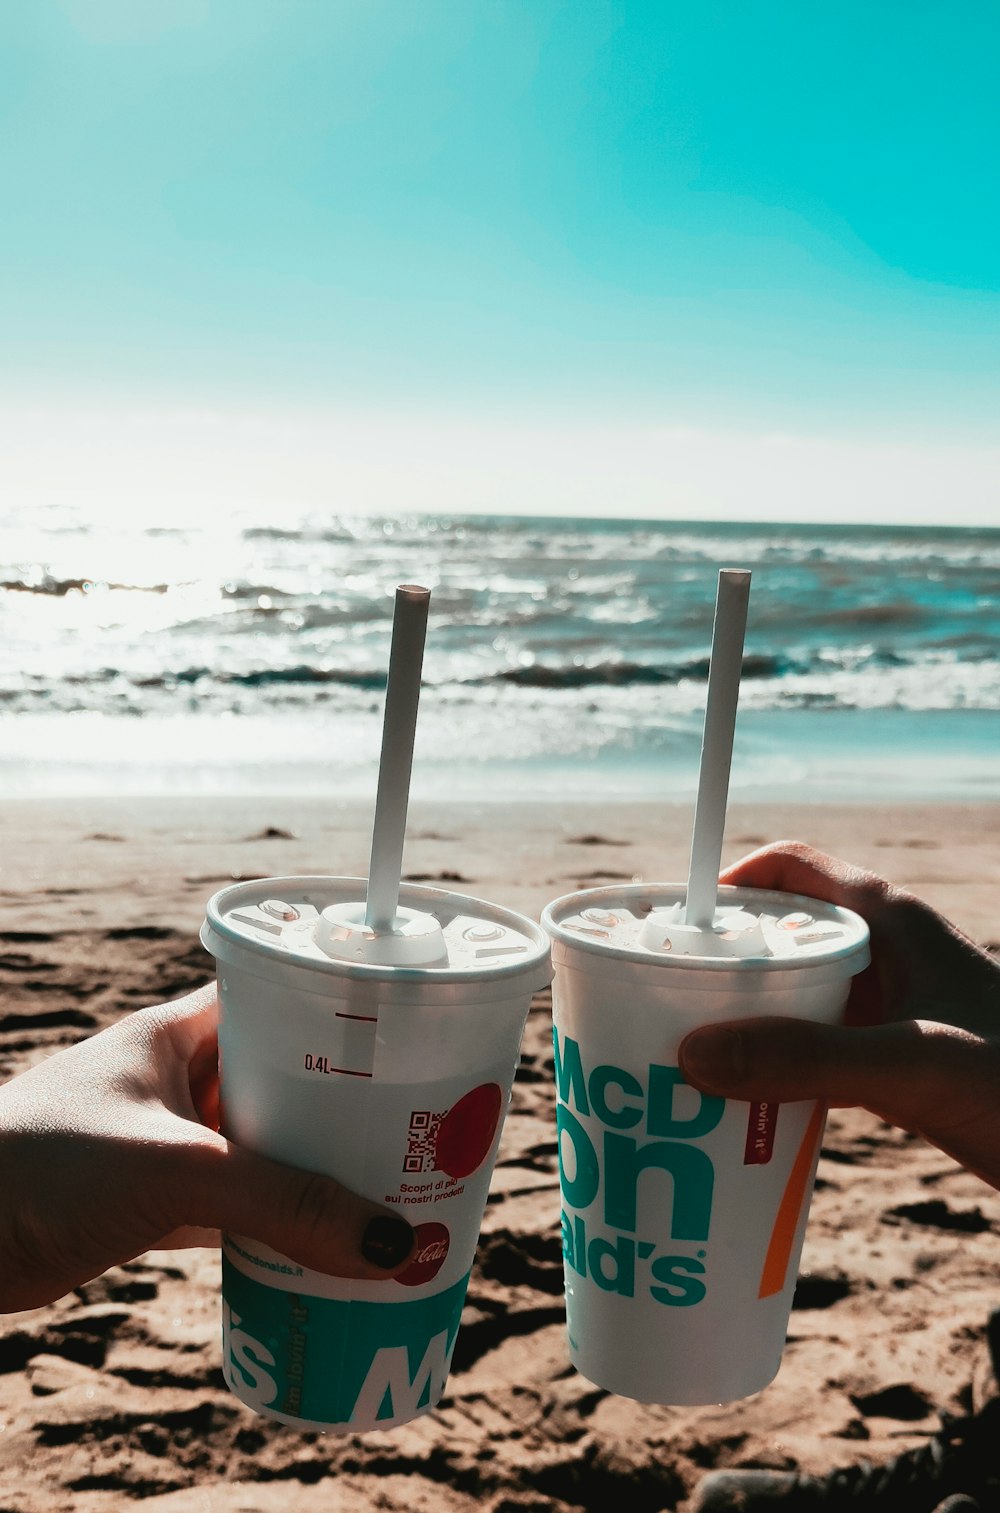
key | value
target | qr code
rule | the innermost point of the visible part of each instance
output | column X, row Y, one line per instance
column 421, row 1143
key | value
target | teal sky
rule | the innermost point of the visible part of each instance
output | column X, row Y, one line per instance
column 726, row 220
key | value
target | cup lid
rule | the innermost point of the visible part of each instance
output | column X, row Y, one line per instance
column 316, row 924
column 753, row 929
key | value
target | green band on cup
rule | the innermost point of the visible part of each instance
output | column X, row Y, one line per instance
column 333, row 1362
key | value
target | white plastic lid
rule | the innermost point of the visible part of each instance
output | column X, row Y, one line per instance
column 752, row 929
column 317, row 924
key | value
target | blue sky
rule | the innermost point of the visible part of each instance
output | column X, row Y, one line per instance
column 504, row 248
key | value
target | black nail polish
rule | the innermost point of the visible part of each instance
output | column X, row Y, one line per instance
column 386, row 1241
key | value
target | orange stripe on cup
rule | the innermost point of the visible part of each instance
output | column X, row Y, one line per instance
column 779, row 1250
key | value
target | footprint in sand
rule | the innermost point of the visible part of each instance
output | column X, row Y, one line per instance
column 604, row 874
column 595, row 840
column 900, row 1401
column 912, row 843
column 436, row 877
column 75, row 1019
column 821, row 1290
column 935, row 1212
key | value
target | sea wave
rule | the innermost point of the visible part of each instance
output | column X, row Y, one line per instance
column 58, row 587
column 264, row 677
column 845, row 678
column 613, row 674
column 549, row 641
column 666, row 542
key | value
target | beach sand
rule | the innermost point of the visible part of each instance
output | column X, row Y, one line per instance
column 114, row 1395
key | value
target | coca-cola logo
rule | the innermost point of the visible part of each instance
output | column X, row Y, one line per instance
column 429, row 1255
column 435, row 1251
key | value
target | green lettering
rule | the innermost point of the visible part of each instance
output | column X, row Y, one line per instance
column 689, row 1168
column 663, row 1083
column 621, row 1255
column 580, row 1190
column 568, row 1247
column 580, row 1231
column 569, row 1073
column 681, row 1289
column 625, row 1117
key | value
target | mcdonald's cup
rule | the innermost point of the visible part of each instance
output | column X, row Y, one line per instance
column 683, row 1214
column 394, row 1079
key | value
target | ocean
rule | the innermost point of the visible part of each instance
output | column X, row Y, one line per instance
column 565, row 658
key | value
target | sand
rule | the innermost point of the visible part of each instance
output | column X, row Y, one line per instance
column 114, row 1394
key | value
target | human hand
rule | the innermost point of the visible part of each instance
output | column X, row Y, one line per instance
column 921, row 1045
column 111, row 1148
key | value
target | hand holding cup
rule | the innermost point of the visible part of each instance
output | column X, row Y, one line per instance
column 111, row 1148
column 921, row 1042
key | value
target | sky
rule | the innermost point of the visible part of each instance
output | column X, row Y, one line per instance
column 677, row 258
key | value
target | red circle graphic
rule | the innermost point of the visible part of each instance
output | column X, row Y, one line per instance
column 467, row 1130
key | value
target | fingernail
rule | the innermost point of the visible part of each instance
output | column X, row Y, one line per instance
column 714, row 1054
column 386, row 1241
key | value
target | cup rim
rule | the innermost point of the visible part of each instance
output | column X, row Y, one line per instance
column 217, row 929
column 851, row 956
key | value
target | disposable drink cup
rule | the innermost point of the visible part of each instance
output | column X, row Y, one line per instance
column 392, row 1076
column 683, row 1215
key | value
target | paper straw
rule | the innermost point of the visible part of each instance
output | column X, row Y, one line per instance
column 717, row 746
column 406, row 655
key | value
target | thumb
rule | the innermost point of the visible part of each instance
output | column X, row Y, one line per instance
column 310, row 1218
column 900, row 1071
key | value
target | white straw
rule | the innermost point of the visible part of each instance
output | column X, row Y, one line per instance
column 406, row 655
column 717, row 746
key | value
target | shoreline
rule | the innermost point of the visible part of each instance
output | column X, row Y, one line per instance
column 803, row 756
column 77, row 863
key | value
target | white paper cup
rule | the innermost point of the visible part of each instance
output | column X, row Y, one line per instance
column 392, row 1079
column 683, row 1214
